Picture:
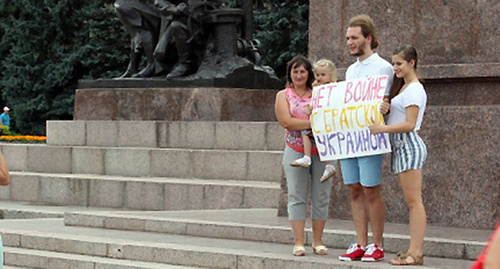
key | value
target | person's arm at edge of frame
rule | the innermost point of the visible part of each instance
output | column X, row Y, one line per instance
column 283, row 114
column 4, row 172
column 492, row 260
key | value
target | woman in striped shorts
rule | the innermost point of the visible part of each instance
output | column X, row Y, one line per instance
column 407, row 99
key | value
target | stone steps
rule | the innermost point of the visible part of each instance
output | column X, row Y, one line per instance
column 167, row 134
column 47, row 259
column 259, row 225
column 51, row 235
column 139, row 193
column 262, row 225
column 251, row 165
column 28, row 210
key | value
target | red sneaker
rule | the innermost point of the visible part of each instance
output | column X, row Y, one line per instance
column 373, row 253
column 354, row 253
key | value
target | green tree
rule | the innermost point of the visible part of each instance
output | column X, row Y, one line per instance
column 282, row 27
column 46, row 47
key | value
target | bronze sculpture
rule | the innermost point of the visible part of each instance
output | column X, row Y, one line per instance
column 142, row 22
column 194, row 42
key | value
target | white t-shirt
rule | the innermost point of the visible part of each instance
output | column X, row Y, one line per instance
column 413, row 95
column 371, row 66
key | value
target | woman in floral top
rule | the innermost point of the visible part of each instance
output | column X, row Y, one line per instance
column 291, row 114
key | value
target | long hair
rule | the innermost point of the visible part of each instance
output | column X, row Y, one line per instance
column 329, row 65
column 367, row 27
column 408, row 53
column 295, row 62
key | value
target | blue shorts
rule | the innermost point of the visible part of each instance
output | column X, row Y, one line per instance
column 365, row 170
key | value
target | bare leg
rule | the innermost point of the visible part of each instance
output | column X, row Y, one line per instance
column 307, row 145
column 317, row 228
column 298, row 227
column 359, row 214
column 411, row 183
column 376, row 209
column 306, row 160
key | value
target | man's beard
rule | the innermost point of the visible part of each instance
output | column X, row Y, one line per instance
column 361, row 50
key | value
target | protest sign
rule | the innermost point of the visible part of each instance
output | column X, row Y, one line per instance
column 341, row 113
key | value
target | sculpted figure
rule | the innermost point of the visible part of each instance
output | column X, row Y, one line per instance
column 142, row 21
column 183, row 35
column 173, row 44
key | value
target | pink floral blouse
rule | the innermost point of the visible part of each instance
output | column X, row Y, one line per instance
column 293, row 139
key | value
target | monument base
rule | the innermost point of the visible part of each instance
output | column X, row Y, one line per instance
column 175, row 104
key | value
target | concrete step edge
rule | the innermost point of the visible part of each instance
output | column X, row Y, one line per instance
column 27, row 210
column 138, row 162
column 165, row 134
column 26, row 257
column 165, row 180
column 139, row 193
column 334, row 238
column 217, row 256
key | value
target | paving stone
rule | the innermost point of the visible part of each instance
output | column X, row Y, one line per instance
column 66, row 133
column 127, row 162
column 88, row 160
column 217, row 164
column 137, row 134
column 49, row 159
column 24, row 187
column 184, row 197
column 171, row 163
column 263, row 166
column 275, row 136
column 102, row 133
column 64, row 191
column 144, row 195
column 16, row 156
column 240, row 135
column 192, row 134
column 107, row 193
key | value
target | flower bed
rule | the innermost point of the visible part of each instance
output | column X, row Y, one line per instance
column 24, row 138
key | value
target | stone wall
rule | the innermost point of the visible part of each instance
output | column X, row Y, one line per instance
column 456, row 41
column 461, row 186
column 444, row 31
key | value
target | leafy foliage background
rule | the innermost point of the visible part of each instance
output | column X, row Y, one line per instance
column 46, row 46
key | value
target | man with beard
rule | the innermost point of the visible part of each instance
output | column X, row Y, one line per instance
column 363, row 174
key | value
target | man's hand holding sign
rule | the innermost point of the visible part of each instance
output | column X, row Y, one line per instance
column 341, row 114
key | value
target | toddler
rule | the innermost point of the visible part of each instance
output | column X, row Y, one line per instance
column 324, row 73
